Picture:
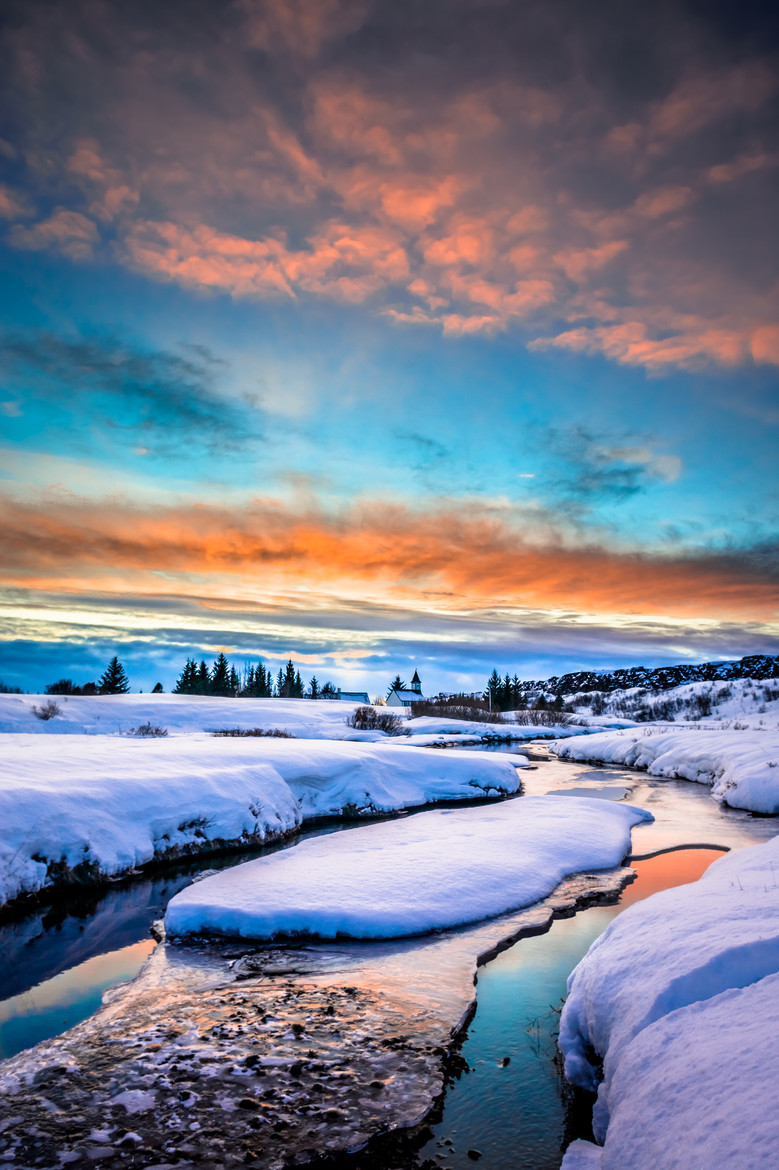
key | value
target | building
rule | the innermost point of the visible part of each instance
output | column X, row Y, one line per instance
column 354, row 696
column 405, row 698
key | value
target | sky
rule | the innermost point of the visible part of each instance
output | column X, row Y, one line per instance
column 387, row 335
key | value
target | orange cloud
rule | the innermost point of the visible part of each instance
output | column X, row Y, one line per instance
column 457, row 559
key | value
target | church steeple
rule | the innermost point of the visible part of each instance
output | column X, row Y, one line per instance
column 416, row 684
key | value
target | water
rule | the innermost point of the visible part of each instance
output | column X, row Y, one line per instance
column 58, row 963
column 513, row 1114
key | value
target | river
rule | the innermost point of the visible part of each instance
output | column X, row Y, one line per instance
column 507, row 1108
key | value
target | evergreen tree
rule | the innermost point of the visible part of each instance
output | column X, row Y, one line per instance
column 313, row 692
column 235, row 682
column 397, row 684
column 329, row 691
column 186, row 684
column 298, row 685
column 202, row 679
column 493, row 690
column 280, row 683
column 157, row 689
column 114, row 680
column 220, row 676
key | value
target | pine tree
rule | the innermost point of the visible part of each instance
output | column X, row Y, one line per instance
column 186, row 683
column 298, row 692
column 114, row 680
column 235, row 682
column 313, row 692
column 329, row 691
column 280, row 683
column 157, row 689
column 288, row 683
column 220, row 676
column 202, row 679
column 493, row 690
column 397, row 684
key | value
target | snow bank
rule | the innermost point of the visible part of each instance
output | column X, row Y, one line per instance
column 109, row 804
column 741, row 766
column 178, row 714
column 434, row 870
column 680, row 996
column 442, row 730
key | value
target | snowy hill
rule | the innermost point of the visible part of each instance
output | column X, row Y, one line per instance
column 660, row 678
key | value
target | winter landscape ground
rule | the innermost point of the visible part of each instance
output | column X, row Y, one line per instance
column 87, row 798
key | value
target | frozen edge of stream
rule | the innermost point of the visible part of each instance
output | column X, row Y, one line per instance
column 382, row 1070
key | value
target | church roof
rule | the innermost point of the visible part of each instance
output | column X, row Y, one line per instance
column 416, row 678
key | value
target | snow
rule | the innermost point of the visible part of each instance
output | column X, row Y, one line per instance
column 741, row 766
column 178, row 714
column 188, row 714
column 680, row 996
column 441, row 730
column 435, row 870
column 114, row 802
column 736, row 703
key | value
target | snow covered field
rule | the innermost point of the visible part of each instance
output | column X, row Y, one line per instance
column 741, row 766
column 680, row 996
column 188, row 714
column 109, row 804
column 434, row 870
column 178, row 714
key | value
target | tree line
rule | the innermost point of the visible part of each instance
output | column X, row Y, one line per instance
column 253, row 682
column 510, row 694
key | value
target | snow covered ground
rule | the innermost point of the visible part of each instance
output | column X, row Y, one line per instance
column 178, row 714
column 108, row 804
column 187, row 714
column 741, row 766
column 737, row 704
column 434, row 870
column 680, row 996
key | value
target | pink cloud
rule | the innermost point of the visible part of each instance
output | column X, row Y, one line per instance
column 67, row 232
column 13, row 204
column 745, row 164
column 300, row 27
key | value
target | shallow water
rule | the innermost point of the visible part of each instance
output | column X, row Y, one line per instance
column 513, row 1114
column 59, row 962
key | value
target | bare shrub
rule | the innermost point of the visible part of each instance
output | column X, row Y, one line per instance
column 369, row 719
column 148, row 731
column 536, row 718
column 46, row 710
column 255, row 732
column 465, row 707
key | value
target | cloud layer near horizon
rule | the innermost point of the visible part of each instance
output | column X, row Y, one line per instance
column 454, row 560
column 561, row 170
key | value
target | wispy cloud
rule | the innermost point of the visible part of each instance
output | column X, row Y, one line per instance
column 168, row 400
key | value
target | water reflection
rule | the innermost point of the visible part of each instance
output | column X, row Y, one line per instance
column 512, row 1111
column 68, row 998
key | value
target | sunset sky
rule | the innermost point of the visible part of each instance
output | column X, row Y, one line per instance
column 387, row 335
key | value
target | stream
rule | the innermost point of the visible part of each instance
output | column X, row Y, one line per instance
column 505, row 1108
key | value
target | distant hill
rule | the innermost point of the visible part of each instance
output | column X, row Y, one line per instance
column 659, row 678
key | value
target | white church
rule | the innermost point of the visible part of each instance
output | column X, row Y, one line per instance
column 414, row 694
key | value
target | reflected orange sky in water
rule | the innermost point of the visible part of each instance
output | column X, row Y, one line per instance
column 669, row 869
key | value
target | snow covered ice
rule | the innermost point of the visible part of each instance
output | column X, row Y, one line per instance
column 113, row 803
column 680, row 996
column 741, row 766
column 435, row 870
